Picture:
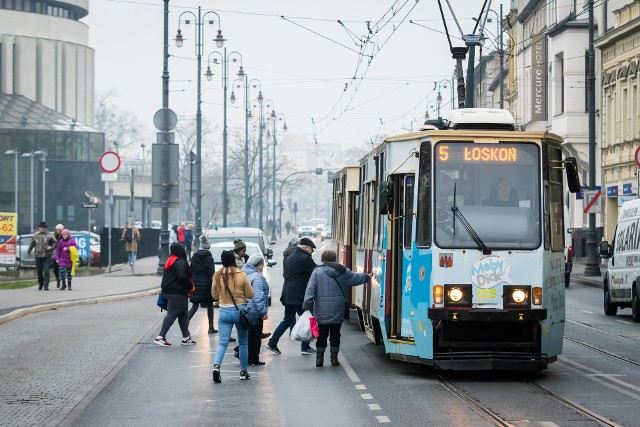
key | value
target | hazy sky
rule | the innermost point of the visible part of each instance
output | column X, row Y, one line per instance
column 309, row 63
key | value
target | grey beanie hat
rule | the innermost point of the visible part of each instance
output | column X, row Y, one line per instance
column 204, row 243
column 255, row 259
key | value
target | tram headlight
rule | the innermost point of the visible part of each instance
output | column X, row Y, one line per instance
column 518, row 296
column 458, row 295
column 455, row 294
column 437, row 294
column 536, row 293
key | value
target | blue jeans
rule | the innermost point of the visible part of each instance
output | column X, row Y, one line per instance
column 228, row 317
column 132, row 257
column 288, row 322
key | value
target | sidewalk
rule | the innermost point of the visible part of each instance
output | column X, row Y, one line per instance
column 118, row 285
column 578, row 277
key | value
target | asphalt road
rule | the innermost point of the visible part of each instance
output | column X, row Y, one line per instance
column 96, row 365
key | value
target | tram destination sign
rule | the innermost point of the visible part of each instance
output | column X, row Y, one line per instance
column 478, row 154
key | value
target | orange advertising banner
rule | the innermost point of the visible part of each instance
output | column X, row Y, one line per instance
column 8, row 231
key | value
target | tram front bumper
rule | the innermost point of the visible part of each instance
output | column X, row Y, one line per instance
column 487, row 315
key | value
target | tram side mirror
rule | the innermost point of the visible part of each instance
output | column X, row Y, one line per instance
column 571, row 169
column 605, row 249
column 385, row 197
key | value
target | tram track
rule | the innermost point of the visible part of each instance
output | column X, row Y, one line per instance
column 473, row 403
column 493, row 417
column 568, row 403
column 605, row 352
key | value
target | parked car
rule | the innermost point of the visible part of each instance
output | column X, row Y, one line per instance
column 252, row 248
column 307, row 228
column 247, row 234
column 22, row 246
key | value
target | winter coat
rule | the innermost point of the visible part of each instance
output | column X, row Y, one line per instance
column 176, row 276
column 203, row 267
column 133, row 246
column 64, row 257
column 290, row 249
column 181, row 234
column 40, row 241
column 188, row 237
column 328, row 286
column 238, row 283
column 259, row 302
column 298, row 267
column 173, row 237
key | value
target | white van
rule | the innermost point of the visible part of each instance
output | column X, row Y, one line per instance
column 622, row 279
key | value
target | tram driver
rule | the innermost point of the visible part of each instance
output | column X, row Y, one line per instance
column 503, row 195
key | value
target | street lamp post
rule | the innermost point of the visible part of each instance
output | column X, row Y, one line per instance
column 44, row 181
column 500, row 51
column 431, row 103
column 225, row 79
column 443, row 84
column 32, row 155
column 199, row 34
column 260, row 184
column 15, row 153
column 274, row 118
column 242, row 76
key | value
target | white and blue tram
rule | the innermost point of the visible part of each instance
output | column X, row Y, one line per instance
column 463, row 229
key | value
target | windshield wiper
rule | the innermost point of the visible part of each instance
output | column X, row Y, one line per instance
column 465, row 224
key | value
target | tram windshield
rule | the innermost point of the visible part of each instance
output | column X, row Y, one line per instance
column 496, row 189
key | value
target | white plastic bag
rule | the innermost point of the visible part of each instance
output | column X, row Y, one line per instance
column 302, row 329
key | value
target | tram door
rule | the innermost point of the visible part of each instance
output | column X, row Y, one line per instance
column 400, row 239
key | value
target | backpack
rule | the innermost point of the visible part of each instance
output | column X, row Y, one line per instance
column 128, row 237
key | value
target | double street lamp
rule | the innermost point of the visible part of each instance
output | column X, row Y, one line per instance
column 439, row 85
column 15, row 153
column 31, row 155
column 224, row 57
column 200, row 20
column 274, row 119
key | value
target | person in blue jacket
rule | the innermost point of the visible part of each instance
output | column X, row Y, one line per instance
column 188, row 240
column 257, row 304
column 325, row 295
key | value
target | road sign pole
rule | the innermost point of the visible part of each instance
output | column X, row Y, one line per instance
column 89, row 236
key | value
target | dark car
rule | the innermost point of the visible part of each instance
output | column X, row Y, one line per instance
column 248, row 234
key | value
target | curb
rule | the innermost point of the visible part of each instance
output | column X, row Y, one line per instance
column 16, row 314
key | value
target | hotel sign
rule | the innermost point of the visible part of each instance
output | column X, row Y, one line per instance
column 538, row 79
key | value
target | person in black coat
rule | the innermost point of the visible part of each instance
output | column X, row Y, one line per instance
column 203, row 267
column 298, row 268
column 176, row 283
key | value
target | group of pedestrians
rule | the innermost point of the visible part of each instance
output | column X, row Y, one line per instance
column 56, row 250
column 320, row 289
column 238, row 287
column 242, row 291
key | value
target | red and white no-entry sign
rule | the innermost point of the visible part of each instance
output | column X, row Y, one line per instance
column 637, row 157
column 110, row 161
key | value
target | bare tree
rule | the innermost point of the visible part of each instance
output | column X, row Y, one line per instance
column 122, row 129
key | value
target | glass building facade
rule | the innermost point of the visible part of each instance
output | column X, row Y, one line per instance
column 70, row 166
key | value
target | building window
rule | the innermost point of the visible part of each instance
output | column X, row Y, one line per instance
column 59, row 213
column 71, row 213
column 559, row 84
column 626, row 114
column 635, row 131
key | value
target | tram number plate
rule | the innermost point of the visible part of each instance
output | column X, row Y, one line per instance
column 487, row 293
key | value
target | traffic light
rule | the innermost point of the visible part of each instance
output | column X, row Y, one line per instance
column 330, row 177
column 295, row 207
column 318, row 171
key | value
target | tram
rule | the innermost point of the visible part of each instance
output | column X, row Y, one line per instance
column 462, row 226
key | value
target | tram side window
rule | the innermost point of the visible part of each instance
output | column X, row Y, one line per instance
column 423, row 219
column 556, row 208
column 408, row 211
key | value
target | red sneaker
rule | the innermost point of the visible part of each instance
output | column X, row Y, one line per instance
column 162, row 342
